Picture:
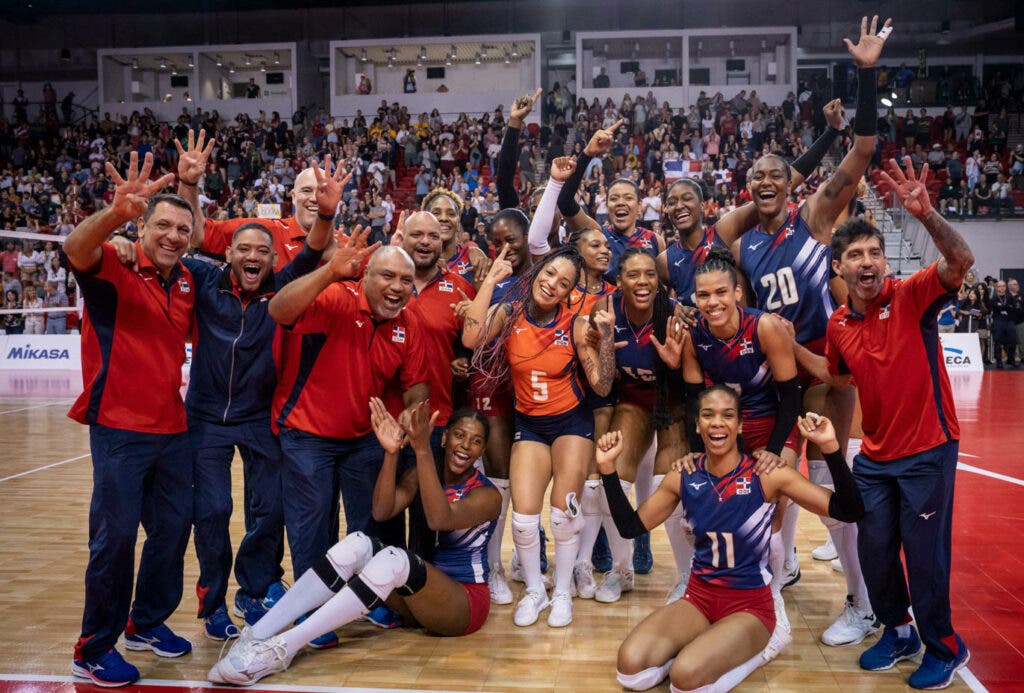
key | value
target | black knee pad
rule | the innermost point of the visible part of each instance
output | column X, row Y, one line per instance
column 417, row 575
column 324, row 570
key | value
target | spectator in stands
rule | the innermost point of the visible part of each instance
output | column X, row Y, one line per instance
column 252, row 90
column 602, row 81
column 30, row 263
column 936, row 157
column 13, row 323
column 55, row 297
column 34, row 322
column 1002, row 198
column 409, row 82
column 982, row 197
column 9, row 258
column 962, row 124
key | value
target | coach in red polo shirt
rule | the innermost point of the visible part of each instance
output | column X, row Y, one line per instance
column 133, row 346
column 887, row 338
column 356, row 339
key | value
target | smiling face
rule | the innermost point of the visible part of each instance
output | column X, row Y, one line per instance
column 504, row 232
column 684, row 209
column 422, row 240
column 623, row 206
column 863, row 267
column 718, row 422
column 594, row 248
column 388, row 283
column 252, row 258
column 717, row 295
column 447, row 215
column 165, row 235
column 304, row 199
column 554, row 283
column 768, row 183
column 463, row 443
column 639, row 281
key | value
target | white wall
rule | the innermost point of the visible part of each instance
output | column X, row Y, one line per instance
column 996, row 245
column 618, row 79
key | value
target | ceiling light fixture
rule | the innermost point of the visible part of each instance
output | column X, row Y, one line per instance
column 362, row 56
column 277, row 58
column 220, row 61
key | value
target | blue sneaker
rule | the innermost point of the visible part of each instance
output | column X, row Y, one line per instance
column 889, row 649
column 601, row 556
column 274, row 594
column 543, row 550
column 384, row 617
column 161, row 640
column 320, row 642
column 219, row 625
column 643, row 561
column 249, row 608
column 938, row 673
column 108, row 669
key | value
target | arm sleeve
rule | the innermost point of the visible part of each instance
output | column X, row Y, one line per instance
column 789, row 409
column 627, row 520
column 505, row 177
column 809, row 160
column 846, row 503
column 691, row 391
column 305, row 262
column 567, row 204
column 542, row 218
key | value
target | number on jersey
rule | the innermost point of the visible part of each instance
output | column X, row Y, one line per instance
column 781, row 287
column 540, row 388
column 727, row 558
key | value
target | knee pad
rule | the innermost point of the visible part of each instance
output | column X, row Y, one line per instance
column 392, row 569
column 818, row 473
column 345, row 559
column 642, row 680
column 590, row 504
column 526, row 530
column 565, row 527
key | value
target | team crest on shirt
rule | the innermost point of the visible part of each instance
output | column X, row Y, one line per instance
column 884, row 313
column 183, row 286
column 446, row 286
column 462, row 267
column 746, row 347
column 398, row 334
column 743, row 486
column 561, row 338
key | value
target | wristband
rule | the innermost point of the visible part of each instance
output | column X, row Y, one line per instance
column 325, row 217
column 185, row 182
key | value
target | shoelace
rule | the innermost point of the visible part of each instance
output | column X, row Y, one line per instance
column 277, row 649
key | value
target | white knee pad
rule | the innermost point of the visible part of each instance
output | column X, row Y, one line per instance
column 642, row 680
column 386, row 571
column 565, row 527
column 350, row 554
column 818, row 473
column 526, row 530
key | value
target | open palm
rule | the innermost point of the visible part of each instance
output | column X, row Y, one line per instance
column 866, row 51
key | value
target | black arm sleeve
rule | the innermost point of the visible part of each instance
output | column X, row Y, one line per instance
column 789, row 409
column 867, row 103
column 691, row 391
column 627, row 520
column 846, row 504
column 809, row 160
column 506, row 173
column 567, row 203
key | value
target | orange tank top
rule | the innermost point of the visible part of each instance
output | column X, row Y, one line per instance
column 543, row 365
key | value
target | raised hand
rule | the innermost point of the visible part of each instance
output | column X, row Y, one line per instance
column 329, row 186
column 501, row 268
column 462, row 307
column 817, row 429
column 388, row 432
column 131, row 195
column 603, row 322
column 522, row 106
column 909, row 187
column 562, row 168
column 351, row 252
column 601, row 142
column 671, row 352
column 419, row 425
column 866, row 51
column 127, row 252
column 834, row 114
column 608, row 449
column 192, row 161
column 399, row 234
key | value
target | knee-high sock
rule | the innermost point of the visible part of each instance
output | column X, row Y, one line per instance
column 622, row 549
column 565, row 528
column 777, row 560
column 526, row 537
column 729, row 680
column 494, row 546
column 789, row 518
column 590, row 505
column 644, row 484
column 346, row 558
column 643, row 680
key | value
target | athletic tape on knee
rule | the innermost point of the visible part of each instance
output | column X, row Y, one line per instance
column 526, row 530
column 565, row 527
column 642, row 680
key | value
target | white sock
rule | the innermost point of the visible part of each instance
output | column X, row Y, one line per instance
column 565, row 529
column 621, row 549
column 680, row 538
column 590, row 505
column 844, row 537
column 526, row 537
column 903, row 631
column 729, row 680
column 644, row 484
column 777, row 560
column 343, row 607
column 643, row 680
column 789, row 518
column 494, row 546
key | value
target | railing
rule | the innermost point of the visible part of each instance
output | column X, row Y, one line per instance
column 79, row 112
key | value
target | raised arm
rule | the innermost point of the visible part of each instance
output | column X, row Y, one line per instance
column 574, row 216
column 390, row 497
column 482, row 321
column 597, row 364
column 912, row 190
column 509, row 156
column 562, row 170
column 191, row 167
column 653, row 512
column 329, row 188
column 131, row 198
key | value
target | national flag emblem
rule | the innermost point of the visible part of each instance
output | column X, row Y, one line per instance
column 746, row 347
column 398, row 334
column 446, row 286
column 183, row 286
column 743, row 486
column 561, row 338
column 884, row 313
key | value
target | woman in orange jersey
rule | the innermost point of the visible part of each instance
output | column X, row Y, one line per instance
column 536, row 339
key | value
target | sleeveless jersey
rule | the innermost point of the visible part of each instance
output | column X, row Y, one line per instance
column 789, row 272
column 542, row 365
column 502, row 288
column 460, row 263
column 738, row 362
column 732, row 525
column 641, row 238
column 462, row 553
column 636, row 360
column 580, row 293
column 683, row 263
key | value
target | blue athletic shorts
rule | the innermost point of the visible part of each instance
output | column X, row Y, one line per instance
column 578, row 421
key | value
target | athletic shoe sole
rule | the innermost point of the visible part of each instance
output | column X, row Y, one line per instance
column 952, row 675
column 850, row 642
column 145, row 646
column 894, row 662
column 79, row 672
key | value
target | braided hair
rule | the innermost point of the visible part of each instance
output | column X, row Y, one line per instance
column 441, row 192
column 718, row 260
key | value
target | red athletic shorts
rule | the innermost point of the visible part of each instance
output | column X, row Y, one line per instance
column 479, row 596
column 757, row 432
column 815, row 346
column 497, row 402
column 718, row 602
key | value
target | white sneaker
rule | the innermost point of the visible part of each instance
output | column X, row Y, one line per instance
column 615, row 583
column 782, row 635
column 515, row 568
column 852, row 626
column 529, row 608
column 500, row 592
column 250, row 660
column 679, row 589
column 825, row 552
column 584, row 584
column 837, row 565
column 790, row 572
column 561, row 610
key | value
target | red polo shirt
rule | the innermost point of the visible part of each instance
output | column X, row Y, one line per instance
column 133, row 345
column 288, row 236
column 894, row 354
column 345, row 359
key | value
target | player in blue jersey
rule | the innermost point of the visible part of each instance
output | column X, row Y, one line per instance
column 717, row 633
column 787, row 260
column 447, row 595
column 465, row 260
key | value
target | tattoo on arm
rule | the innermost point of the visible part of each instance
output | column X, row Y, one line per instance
column 956, row 254
column 606, row 365
column 839, row 180
column 471, row 321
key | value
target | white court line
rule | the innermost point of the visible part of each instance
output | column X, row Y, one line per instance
column 38, row 406
column 968, row 677
column 977, row 470
column 39, row 678
column 48, row 466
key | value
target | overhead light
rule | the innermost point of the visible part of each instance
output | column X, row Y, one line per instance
column 135, row 63
column 191, row 62
column 606, row 49
column 483, row 52
column 515, row 49
column 448, row 60
column 163, row 63
column 248, row 61
column 277, row 58
column 419, row 62
column 668, row 46
column 263, row 66
column 477, row 59
column 362, row 55
column 454, row 53
column 174, row 70
column 636, row 46
column 700, row 45
column 423, row 52
column 894, row 96
column 220, row 61
column 231, row 69
column 508, row 58
column 887, row 103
